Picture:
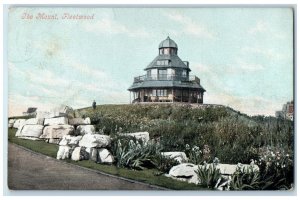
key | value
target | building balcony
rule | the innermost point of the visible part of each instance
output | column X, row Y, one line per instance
column 166, row 77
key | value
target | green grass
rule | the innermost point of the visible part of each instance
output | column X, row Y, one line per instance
column 224, row 130
column 146, row 176
column 21, row 117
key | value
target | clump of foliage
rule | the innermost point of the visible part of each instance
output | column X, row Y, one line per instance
column 134, row 154
column 245, row 179
column 164, row 163
column 276, row 168
column 209, row 175
column 196, row 155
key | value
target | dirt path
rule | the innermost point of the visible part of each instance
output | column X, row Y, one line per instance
column 31, row 171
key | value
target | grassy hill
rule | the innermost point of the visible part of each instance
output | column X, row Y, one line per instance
column 219, row 131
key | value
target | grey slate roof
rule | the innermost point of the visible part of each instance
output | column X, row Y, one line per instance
column 166, row 84
column 168, row 43
column 176, row 62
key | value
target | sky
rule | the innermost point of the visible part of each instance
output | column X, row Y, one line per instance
column 243, row 56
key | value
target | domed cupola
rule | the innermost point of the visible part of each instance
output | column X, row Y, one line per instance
column 168, row 47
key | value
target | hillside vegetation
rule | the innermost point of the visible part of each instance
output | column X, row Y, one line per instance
column 217, row 131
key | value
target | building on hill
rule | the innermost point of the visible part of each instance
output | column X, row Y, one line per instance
column 30, row 112
column 167, row 79
column 287, row 111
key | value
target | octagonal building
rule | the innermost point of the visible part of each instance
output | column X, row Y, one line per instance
column 167, row 79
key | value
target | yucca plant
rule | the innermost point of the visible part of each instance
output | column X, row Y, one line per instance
column 134, row 154
column 208, row 175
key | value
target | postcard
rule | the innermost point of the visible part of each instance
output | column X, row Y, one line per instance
column 150, row 98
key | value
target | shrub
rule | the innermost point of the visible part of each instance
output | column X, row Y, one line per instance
column 245, row 179
column 208, row 175
column 164, row 163
column 277, row 167
column 134, row 154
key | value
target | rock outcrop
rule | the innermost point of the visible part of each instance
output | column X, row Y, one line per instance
column 105, row 156
column 57, row 131
column 31, row 131
column 85, row 129
column 178, row 156
column 56, row 121
column 19, row 122
column 95, row 140
column 144, row 136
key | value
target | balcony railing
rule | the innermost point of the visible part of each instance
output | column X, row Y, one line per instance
column 166, row 77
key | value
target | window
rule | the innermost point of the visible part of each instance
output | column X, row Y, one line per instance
column 149, row 73
column 184, row 73
column 153, row 92
column 163, row 62
column 162, row 74
column 161, row 93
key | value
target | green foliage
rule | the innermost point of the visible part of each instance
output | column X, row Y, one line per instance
column 277, row 168
column 164, row 163
column 134, row 154
column 224, row 130
column 208, row 175
column 245, row 179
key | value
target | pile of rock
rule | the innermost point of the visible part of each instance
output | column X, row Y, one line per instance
column 76, row 137
column 87, row 146
column 187, row 172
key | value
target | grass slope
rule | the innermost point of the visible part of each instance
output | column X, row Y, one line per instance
column 231, row 136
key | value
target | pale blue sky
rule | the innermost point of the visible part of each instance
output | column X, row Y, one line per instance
column 243, row 56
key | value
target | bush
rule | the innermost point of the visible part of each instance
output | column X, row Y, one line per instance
column 134, row 154
column 209, row 175
column 248, row 179
column 164, row 163
column 224, row 130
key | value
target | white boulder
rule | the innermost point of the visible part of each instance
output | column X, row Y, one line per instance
column 63, row 153
column 95, row 140
column 56, row 121
column 185, row 172
column 18, row 133
column 32, row 131
column 34, row 121
column 105, row 156
column 226, row 169
column 79, row 121
column 57, row 131
column 11, row 123
column 79, row 153
column 178, row 156
column 87, row 120
column 70, row 140
column 42, row 115
column 60, row 111
column 76, row 154
column 85, row 129
column 144, row 136
column 19, row 122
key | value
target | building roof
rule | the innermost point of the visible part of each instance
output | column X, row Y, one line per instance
column 166, row 84
column 168, row 43
column 31, row 110
column 175, row 62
